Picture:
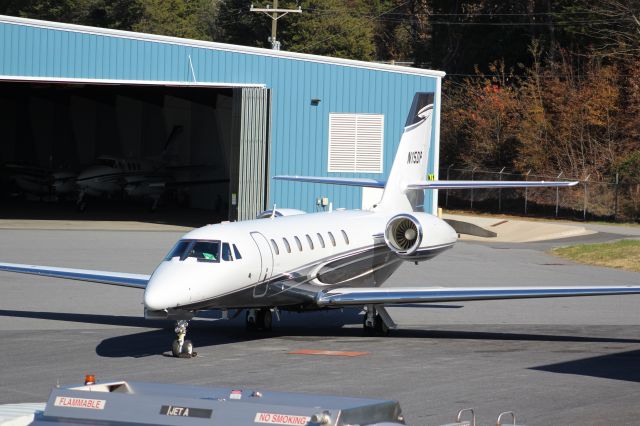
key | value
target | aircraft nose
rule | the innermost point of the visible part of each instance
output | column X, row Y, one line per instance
column 164, row 290
column 154, row 299
column 158, row 295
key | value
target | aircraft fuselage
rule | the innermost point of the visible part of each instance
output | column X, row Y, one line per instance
column 283, row 261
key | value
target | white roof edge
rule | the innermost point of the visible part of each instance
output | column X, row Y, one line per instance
column 219, row 46
column 39, row 79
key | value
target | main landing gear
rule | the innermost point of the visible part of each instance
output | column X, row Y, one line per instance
column 377, row 321
column 259, row 319
column 182, row 348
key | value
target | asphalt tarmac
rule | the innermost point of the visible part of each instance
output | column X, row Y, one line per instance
column 552, row 361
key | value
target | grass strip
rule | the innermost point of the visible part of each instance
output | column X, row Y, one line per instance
column 623, row 254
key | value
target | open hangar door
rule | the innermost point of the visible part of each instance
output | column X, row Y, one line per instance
column 180, row 142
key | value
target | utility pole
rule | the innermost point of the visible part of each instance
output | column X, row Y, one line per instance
column 275, row 14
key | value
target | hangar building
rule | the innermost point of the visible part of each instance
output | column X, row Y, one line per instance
column 69, row 94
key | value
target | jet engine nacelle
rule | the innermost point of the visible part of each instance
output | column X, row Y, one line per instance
column 403, row 234
column 406, row 235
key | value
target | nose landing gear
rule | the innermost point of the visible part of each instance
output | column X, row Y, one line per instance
column 182, row 348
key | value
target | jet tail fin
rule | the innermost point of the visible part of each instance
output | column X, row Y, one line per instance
column 412, row 158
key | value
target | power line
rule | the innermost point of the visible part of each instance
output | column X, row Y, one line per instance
column 469, row 15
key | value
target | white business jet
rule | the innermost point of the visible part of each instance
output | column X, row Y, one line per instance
column 317, row 261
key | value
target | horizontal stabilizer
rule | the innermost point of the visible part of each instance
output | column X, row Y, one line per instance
column 470, row 229
column 479, row 184
column 379, row 295
column 104, row 277
column 363, row 182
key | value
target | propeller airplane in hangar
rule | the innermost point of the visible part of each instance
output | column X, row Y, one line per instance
column 139, row 178
column 305, row 262
column 40, row 182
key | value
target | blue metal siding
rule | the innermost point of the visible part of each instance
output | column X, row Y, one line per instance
column 299, row 129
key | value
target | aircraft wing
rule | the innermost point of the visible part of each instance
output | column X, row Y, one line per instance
column 104, row 277
column 383, row 295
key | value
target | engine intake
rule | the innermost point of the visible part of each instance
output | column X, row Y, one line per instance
column 403, row 234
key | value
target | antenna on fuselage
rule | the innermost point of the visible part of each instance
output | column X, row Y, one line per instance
column 273, row 212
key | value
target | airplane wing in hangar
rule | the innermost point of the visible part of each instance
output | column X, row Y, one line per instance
column 104, row 277
column 384, row 295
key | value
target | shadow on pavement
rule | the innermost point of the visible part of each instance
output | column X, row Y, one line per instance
column 309, row 326
column 125, row 321
column 619, row 366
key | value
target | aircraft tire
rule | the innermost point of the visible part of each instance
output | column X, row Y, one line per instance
column 251, row 325
column 174, row 349
column 187, row 349
column 266, row 319
column 380, row 327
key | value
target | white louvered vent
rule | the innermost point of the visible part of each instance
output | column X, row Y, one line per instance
column 355, row 142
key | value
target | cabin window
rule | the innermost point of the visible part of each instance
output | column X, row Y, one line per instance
column 286, row 245
column 333, row 240
column 275, row 246
column 320, row 239
column 236, row 252
column 346, row 238
column 298, row 243
column 310, row 241
column 226, row 252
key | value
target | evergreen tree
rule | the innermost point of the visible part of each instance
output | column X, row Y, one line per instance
column 337, row 28
column 178, row 18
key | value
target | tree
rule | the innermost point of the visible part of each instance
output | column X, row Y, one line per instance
column 337, row 28
column 50, row 10
column 116, row 14
column 178, row 18
column 234, row 24
column 393, row 35
column 607, row 28
column 485, row 120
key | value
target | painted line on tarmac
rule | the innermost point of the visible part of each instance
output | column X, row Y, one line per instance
column 327, row 353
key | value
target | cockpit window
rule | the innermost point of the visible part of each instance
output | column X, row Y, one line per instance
column 178, row 250
column 226, row 252
column 204, row 251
